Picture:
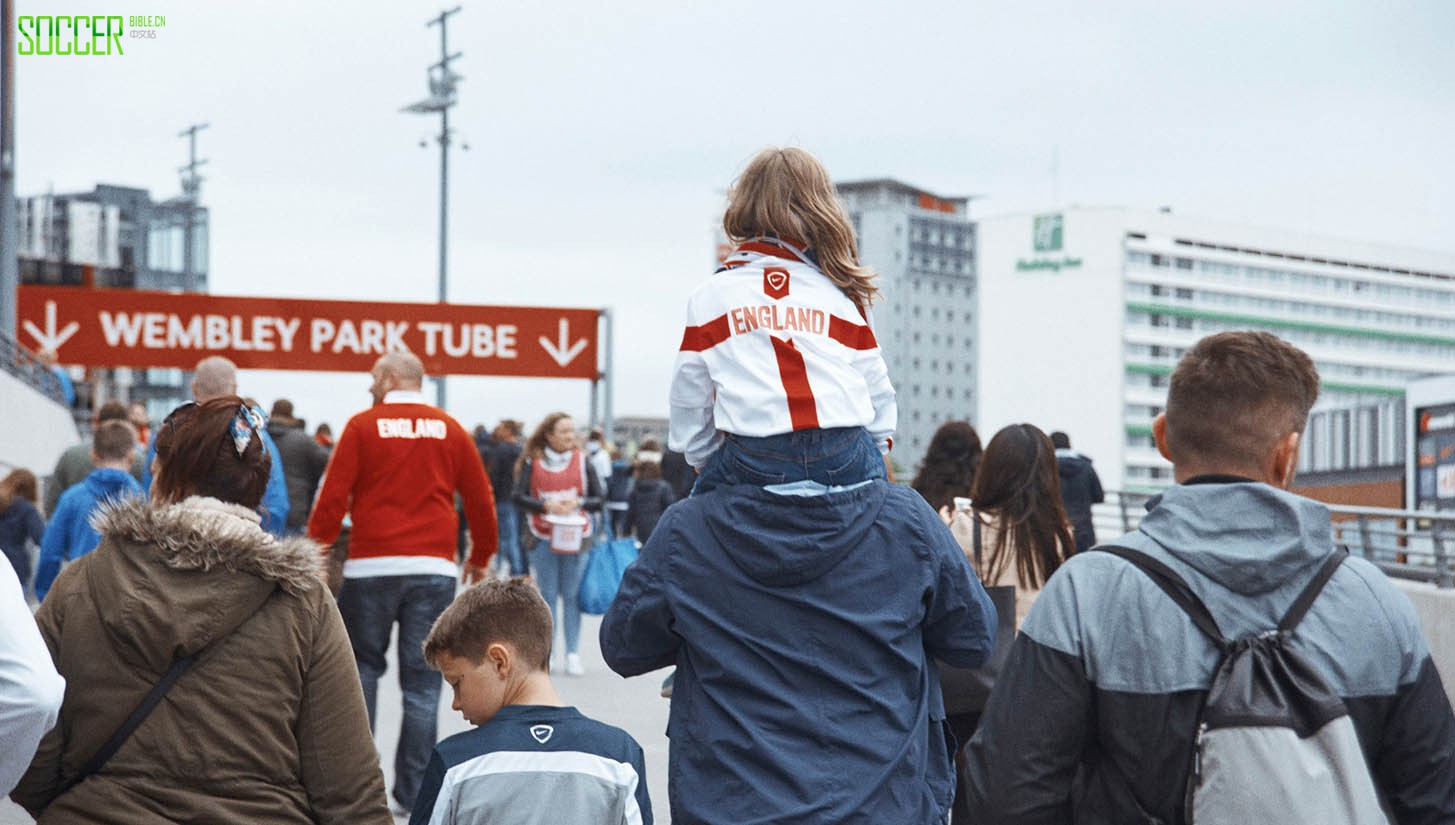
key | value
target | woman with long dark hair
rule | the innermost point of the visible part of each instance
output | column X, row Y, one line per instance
column 1024, row 533
column 259, row 714
column 1015, row 535
column 948, row 468
column 556, row 487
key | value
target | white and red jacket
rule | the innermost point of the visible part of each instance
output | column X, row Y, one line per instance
column 773, row 346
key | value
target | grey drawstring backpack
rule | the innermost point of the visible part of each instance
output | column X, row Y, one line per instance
column 1275, row 742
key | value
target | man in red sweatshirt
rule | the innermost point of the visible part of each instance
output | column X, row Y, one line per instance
column 395, row 470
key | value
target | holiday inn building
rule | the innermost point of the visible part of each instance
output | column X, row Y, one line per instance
column 1083, row 313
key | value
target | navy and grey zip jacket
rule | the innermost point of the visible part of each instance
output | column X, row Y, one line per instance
column 804, row 630
column 1103, row 689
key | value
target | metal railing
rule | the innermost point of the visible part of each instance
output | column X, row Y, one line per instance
column 1405, row 544
column 23, row 364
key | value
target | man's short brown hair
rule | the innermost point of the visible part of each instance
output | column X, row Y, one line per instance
column 1235, row 394
column 510, row 611
column 114, row 440
column 112, row 411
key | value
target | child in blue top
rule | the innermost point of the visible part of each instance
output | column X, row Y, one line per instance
column 70, row 535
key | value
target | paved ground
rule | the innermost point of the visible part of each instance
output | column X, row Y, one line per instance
column 632, row 704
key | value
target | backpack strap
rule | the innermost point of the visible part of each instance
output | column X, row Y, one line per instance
column 1315, row 586
column 1176, row 589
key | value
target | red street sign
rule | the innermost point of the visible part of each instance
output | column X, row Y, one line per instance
column 132, row 328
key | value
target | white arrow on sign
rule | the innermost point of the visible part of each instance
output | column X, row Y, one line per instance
column 50, row 338
column 565, row 352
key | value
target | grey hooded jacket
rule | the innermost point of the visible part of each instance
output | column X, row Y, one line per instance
column 1095, row 713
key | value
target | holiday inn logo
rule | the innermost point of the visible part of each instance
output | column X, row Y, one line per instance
column 1046, row 237
column 1047, row 234
column 83, row 35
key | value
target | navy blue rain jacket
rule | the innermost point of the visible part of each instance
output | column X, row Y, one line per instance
column 804, row 631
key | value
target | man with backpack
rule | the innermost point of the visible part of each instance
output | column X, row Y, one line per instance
column 1180, row 674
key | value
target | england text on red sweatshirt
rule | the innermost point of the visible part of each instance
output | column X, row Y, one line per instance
column 396, row 468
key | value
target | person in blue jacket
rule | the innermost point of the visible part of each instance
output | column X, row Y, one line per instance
column 69, row 535
column 804, row 622
column 215, row 377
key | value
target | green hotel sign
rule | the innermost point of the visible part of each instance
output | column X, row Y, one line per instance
column 1047, row 236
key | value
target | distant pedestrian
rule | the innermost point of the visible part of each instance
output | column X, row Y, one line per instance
column 265, row 722
column 503, row 454
column 215, row 377
column 396, row 470
column 530, row 759
column 1015, row 535
column 324, row 436
column 136, row 413
column 69, row 534
column 30, row 688
column 21, row 524
column 48, row 359
column 1080, row 488
column 303, row 463
column 619, row 492
column 75, row 463
column 779, row 377
column 947, row 471
column 651, row 495
column 557, row 488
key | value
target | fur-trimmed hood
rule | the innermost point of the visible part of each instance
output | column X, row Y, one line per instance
column 204, row 533
column 168, row 580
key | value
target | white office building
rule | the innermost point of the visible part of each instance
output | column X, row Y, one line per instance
column 923, row 247
column 1083, row 313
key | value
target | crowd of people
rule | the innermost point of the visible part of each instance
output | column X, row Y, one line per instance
column 847, row 649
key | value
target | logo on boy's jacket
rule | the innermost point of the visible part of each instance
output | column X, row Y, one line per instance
column 775, row 282
column 542, row 733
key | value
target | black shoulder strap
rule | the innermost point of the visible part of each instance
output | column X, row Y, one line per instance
column 145, row 708
column 975, row 517
column 1310, row 592
column 139, row 715
column 1175, row 587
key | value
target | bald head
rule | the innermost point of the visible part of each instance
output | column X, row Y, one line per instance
column 214, row 378
column 396, row 371
column 405, row 366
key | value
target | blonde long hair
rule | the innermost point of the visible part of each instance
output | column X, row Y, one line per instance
column 787, row 193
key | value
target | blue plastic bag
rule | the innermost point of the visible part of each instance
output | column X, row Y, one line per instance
column 604, row 568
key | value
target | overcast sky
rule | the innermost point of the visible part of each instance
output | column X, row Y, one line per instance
column 602, row 135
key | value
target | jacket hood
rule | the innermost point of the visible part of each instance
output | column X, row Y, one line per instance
column 178, row 576
column 105, row 483
column 1070, row 464
column 786, row 540
column 1248, row 536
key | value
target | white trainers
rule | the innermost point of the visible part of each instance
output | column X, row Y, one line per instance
column 573, row 665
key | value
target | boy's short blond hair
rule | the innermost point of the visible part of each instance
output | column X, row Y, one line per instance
column 509, row 611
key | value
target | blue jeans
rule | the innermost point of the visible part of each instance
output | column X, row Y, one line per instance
column 835, row 458
column 559, row 574
column 370, row 608
column 507, row 520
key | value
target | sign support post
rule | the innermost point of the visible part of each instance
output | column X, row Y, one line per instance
column 609, row 375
